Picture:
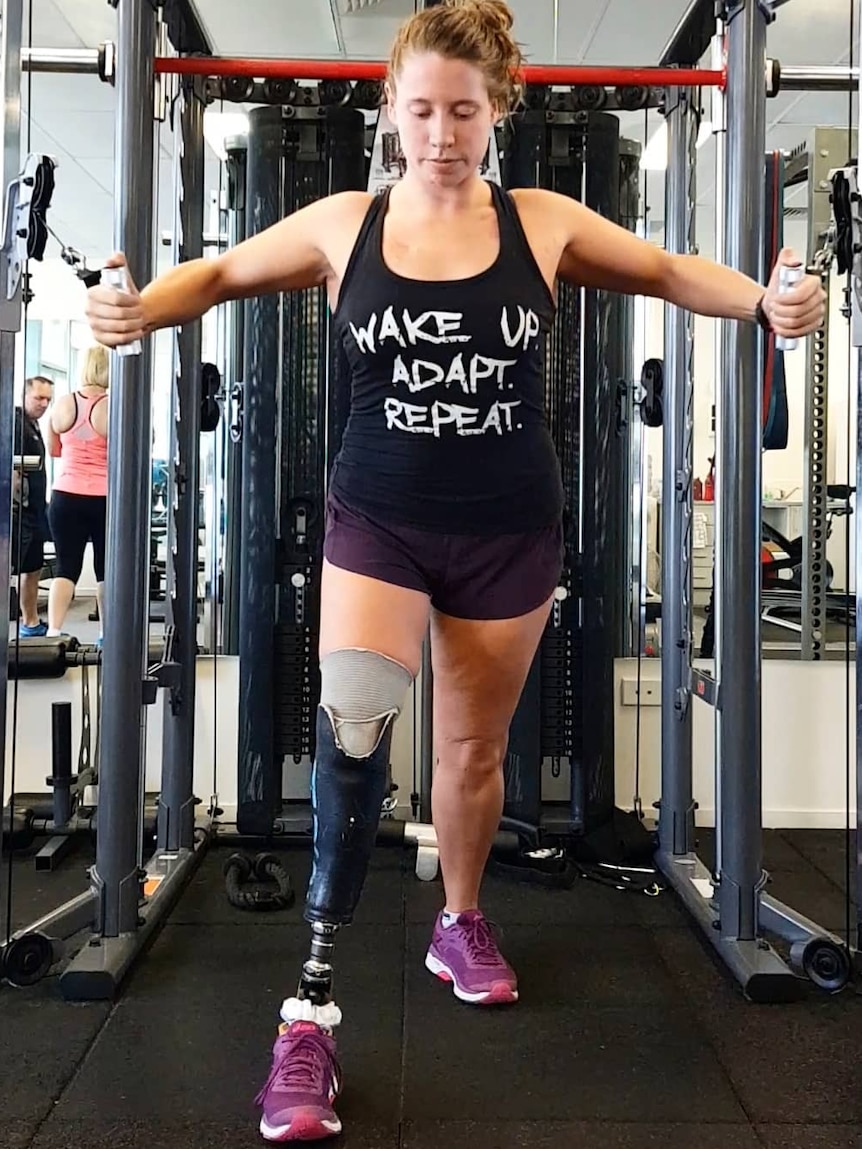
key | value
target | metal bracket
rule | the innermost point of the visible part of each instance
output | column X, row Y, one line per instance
column 683, row 484
column 706, row 688
column 678, row 100
column 236, row 412
column 24, row 230
column 767, row 8
column 162, row 676
column 682, row 702
column 167, row 86
column 846, row 240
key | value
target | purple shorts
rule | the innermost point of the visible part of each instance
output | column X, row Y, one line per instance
column 465, row 576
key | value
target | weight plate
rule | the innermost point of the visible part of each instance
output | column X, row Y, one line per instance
column 27, row 960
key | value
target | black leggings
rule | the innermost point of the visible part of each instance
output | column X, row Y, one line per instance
column 76, row 520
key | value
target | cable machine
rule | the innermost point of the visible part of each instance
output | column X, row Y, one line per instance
column 566, row 713
column 296, row 154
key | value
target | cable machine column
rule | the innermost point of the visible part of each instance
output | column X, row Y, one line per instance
column 857, row 342
column 676, row 821
column 11, row 26
column 738, row 654
column 176, row 803
column 116, row 874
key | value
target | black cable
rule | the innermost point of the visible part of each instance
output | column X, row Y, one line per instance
column 218, row 476
column 638, row 804
column 850, row 707
column 19, row 507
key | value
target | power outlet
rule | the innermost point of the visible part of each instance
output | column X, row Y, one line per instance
column 650, row 692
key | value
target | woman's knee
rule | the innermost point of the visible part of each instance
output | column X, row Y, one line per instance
column 471, row 759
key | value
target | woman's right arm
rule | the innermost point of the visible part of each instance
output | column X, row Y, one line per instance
column 53, row 443
column 289, row 256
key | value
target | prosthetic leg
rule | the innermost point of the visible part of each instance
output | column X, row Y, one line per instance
column 362, row 693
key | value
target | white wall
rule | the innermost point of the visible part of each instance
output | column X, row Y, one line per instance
column 804, row 717
column 216, row 733
column 804, row 732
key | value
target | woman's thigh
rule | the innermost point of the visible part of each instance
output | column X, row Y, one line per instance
column 358, row 612
column 480, row 667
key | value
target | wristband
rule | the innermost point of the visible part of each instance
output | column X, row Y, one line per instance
column 761, row 316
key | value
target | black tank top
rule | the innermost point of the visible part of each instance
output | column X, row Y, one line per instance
column 447, row 429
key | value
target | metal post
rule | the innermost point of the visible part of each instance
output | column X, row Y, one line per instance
column 856, row 328
column 10, row 323
column 719, row 127
column 676, row 821
column 131, row 903
column 426, row 735
column 259, row 794
column 858, row 574
column 729, row 916
column 738, row 654
column 70, row 61
column 61, row 762
column 237, row 155
column 176, row 803
column 130, row 426
column 799, row 78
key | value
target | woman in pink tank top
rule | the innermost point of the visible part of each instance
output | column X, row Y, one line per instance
column 77, row 513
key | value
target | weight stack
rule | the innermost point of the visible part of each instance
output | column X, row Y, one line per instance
column 296, row 155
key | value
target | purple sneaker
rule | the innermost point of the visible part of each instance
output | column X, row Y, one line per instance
column 303, row 1084
column 466, row 955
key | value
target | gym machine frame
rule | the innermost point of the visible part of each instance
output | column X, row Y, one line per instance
column 125, row 904
column 828, row 150
column 731, row 906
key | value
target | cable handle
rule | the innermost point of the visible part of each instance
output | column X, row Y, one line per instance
column 116, row 277
column 788, row 277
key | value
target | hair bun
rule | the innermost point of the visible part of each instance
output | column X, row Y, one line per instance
column 495, row 14
column 478, row 31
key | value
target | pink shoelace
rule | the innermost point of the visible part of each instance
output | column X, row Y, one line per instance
column 481, row 943
column 305, row 1064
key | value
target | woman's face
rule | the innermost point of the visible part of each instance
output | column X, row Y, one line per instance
column 444, row 117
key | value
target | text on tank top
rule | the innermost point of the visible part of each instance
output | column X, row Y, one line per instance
column 83, row 462
column 447, row 428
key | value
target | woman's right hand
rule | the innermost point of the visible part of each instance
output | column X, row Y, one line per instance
column 116, row 317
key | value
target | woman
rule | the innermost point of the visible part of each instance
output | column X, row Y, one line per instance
column 78, row 437
column 446, row 500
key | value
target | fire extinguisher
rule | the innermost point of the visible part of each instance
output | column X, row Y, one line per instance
column 709, row 486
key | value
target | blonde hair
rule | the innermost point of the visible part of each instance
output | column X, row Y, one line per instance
column 94, row 372
column 475, row 31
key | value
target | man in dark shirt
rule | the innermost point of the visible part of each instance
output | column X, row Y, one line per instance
column 30, row 519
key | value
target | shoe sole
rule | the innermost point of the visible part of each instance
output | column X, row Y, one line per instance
column 303, row 1127
column 500, row 993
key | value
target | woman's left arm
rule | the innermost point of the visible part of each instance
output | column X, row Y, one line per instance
column 598, row 253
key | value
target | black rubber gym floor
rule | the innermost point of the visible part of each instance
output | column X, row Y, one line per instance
column 628, row 1035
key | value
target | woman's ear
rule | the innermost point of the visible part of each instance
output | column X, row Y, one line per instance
column 389, row 97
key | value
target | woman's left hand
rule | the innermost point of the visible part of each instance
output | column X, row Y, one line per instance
column 800, row 310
